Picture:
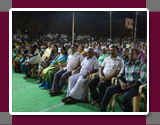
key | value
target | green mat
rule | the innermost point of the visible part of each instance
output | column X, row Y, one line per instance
column 28, row 97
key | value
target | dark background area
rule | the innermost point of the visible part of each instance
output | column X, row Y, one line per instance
column 96, row 24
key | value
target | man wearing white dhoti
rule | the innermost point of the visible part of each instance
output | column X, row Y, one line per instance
column 78, row 83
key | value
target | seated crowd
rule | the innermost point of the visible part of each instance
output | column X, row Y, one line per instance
column 73, row 64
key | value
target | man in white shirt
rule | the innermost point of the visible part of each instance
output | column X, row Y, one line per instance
column 74, row 60
column 110, row 67
column 78, row 83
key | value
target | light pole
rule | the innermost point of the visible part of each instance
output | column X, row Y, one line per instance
column 135, row 28
column 73, row 29
column 110, row 24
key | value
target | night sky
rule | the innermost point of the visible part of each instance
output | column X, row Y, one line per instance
column 86, row 23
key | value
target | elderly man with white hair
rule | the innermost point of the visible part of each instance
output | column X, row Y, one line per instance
column 78, row 83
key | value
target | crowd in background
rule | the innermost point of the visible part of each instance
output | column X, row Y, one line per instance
column 59, row 62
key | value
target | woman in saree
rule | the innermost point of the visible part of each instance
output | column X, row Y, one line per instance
column 17, row 61
column 45, row 63
column 14, row 51
column 15, row 54
column 24, row 56
column 20, row 57
column 48, row 73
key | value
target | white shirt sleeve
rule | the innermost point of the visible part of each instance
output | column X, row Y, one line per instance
column 104, row 62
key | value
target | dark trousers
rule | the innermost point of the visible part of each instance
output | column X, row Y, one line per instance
column 26, row 68
column 127, row 96
column 60, row 79
column 101, row 86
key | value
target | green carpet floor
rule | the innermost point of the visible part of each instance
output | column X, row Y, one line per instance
column 28, row 97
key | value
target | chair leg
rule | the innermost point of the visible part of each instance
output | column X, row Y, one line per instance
column 136, row 103
column 32, row 72
column 144, row 101
column 109, row 105
column 113, row 102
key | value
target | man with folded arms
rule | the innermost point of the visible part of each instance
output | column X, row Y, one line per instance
column 133, row 74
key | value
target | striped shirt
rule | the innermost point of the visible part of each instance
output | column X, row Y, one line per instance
column 134, row 73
